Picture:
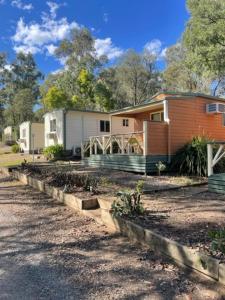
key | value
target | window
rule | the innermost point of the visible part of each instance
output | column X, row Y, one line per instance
column 53, row 125
column 24, row 133
column 125, row 122
column 157, row 116
column 104, row 126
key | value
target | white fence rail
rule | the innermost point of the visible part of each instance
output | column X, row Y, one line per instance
column 129, row 143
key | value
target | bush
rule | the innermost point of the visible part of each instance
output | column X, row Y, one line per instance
column 218, row 240
column 15, row 148
column 72, row 180
column 129, row 203
column 192, row 158
column 53, row 152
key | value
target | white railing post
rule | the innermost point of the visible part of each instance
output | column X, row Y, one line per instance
column 122, row 144
column 210, row 159
column 91, row 150
column 82, row 150
column 103, row 145
column 145, row 137
column 96, row 148
column 111, row 145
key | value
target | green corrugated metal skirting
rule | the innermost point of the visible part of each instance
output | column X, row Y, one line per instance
column 132, row 163
column 216, row 183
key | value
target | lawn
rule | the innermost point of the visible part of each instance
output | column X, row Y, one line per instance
column 8, row 159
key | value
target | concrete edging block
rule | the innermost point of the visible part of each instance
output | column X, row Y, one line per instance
column 222, row 273
column 185, row 255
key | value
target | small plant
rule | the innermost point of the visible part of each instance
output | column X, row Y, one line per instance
column 53, row 152
column 160, row 167
column 104, row 181
column 218, row 240
column 15, row 148
column 129, row 203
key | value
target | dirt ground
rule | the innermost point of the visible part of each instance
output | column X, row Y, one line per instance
column 185, row 215
column 129, row 179
column 48, row 251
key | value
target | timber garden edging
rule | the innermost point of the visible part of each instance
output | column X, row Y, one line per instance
column 181, row 254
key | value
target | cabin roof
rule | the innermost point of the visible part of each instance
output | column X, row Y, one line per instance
column 168, row 95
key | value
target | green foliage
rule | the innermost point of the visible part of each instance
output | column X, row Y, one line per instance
column 15, row 148
column 53, row 152
column 218, row 240
column 55, row 98
column 129, row 203
column 191, row 159
column 160, row 167
column 19, row 88
column 179, row 75
column 137, row 76
column 204, row 38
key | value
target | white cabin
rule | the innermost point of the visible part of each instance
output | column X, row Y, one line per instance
column 72, row 127
column 9, row 134
column 31, row 137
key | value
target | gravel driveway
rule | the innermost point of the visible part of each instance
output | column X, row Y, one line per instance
column 48, row 251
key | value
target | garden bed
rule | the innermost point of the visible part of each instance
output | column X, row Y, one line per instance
column 186, row 216
column 109, row 181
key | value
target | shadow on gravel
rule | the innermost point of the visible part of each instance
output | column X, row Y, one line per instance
column 49, row 252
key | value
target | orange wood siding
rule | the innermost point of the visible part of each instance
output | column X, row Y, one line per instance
column 157, row 138
column 188, row 118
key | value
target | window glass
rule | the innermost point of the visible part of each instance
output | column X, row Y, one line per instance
column 157, row 116
column 125, row 122
column 53, row 125
column 104, row 126
column 24, row 133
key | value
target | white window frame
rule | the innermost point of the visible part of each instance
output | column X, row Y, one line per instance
column 160, row 112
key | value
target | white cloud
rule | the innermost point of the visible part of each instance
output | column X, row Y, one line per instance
column 19, row 4
column 53, row 7
column 51, row 49
column 35, row 37
column 44, row 36
column 154, row 47
column 106, row 47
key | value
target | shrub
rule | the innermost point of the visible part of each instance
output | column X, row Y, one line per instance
column 53, row 152
column 160, row 167
column 15, row 148
column 72, row 180
column 218, row 240
column 129, row 203
column 192, row 158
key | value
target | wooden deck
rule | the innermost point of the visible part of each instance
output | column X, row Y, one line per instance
column 217, row 183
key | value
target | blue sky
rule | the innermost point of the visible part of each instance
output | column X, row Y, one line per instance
column 39, row 26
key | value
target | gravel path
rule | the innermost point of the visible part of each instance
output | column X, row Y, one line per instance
column 49, row 252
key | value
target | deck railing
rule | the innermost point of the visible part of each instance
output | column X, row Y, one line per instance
column 129, row 143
